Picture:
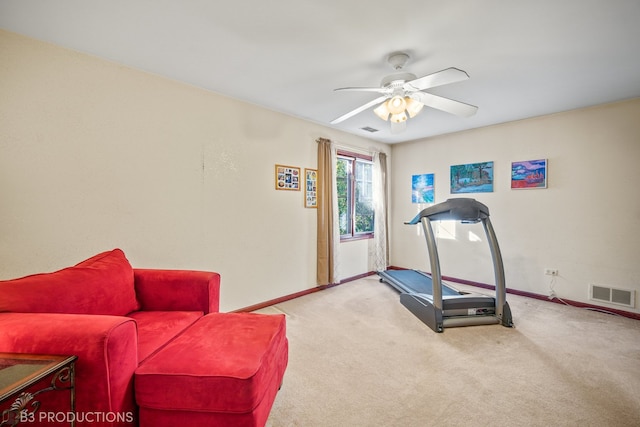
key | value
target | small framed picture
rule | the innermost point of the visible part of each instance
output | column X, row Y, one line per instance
column 422, row 188
column 311, row 188
column 287, row 178
column 529, row 174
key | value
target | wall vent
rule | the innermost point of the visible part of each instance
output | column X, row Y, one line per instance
column 624, row 297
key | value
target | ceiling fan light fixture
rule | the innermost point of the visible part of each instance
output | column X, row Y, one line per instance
column 397, row 105
column 399, row 118
column 382, row 111
column 397, row 128
column 413, row 107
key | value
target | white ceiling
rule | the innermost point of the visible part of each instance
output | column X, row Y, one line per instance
column 525, row 58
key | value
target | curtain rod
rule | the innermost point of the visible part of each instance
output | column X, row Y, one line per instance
column 350, row 148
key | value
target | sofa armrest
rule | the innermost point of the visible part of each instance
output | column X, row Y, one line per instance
column 177, row 290
column 106, row 347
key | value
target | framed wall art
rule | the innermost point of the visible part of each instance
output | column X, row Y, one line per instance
column 422, row 188
column 311, row 188
column 287, row 178
column 529, row 174
column 472, row 178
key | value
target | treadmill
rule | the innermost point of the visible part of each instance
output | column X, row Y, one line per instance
column 441, row 306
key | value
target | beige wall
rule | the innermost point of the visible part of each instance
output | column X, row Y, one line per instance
column 94, row 155
column 586, row 224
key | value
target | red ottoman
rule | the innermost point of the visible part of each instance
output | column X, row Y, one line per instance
column 225, row 370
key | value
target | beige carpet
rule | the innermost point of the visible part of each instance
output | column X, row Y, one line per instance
column 359, row 358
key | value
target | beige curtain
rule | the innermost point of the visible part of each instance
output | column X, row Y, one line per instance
column 379, row 259
column 326, row 266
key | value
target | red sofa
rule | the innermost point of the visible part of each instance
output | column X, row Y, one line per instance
column 114, row 318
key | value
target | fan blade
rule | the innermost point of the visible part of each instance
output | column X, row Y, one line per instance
column 360, row 109
column 444, row 77
column 445, row 104
column 365, row 89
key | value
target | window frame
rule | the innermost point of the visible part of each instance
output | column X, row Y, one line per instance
column 353, row 158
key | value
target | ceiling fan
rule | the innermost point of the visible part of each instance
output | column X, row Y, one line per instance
column 402, row 94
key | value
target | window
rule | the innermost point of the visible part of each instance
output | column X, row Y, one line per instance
column 354, row 179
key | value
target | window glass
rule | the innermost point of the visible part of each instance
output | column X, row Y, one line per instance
column 364, row 198
column 343, row 181
column 354, row 180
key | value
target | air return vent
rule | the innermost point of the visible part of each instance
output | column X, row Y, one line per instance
column 369, row 129
column 624, row 297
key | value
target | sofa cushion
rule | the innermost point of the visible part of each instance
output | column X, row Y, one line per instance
column 157, row 328
column 225, row 363
column 102, row 284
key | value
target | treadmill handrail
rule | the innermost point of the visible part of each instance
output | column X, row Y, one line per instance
column 460, row 209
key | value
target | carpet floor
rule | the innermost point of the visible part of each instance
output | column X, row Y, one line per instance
column 359, row 358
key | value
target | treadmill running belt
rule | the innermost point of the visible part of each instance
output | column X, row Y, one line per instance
column 419, row 282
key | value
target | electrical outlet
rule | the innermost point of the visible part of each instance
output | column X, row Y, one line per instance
column 550, row 272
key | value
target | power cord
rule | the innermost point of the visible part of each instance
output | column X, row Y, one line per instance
column 552, row 291
column 552, row 296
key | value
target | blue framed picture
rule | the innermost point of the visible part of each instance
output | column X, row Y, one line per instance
column 422, row 188
column 472, row 178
